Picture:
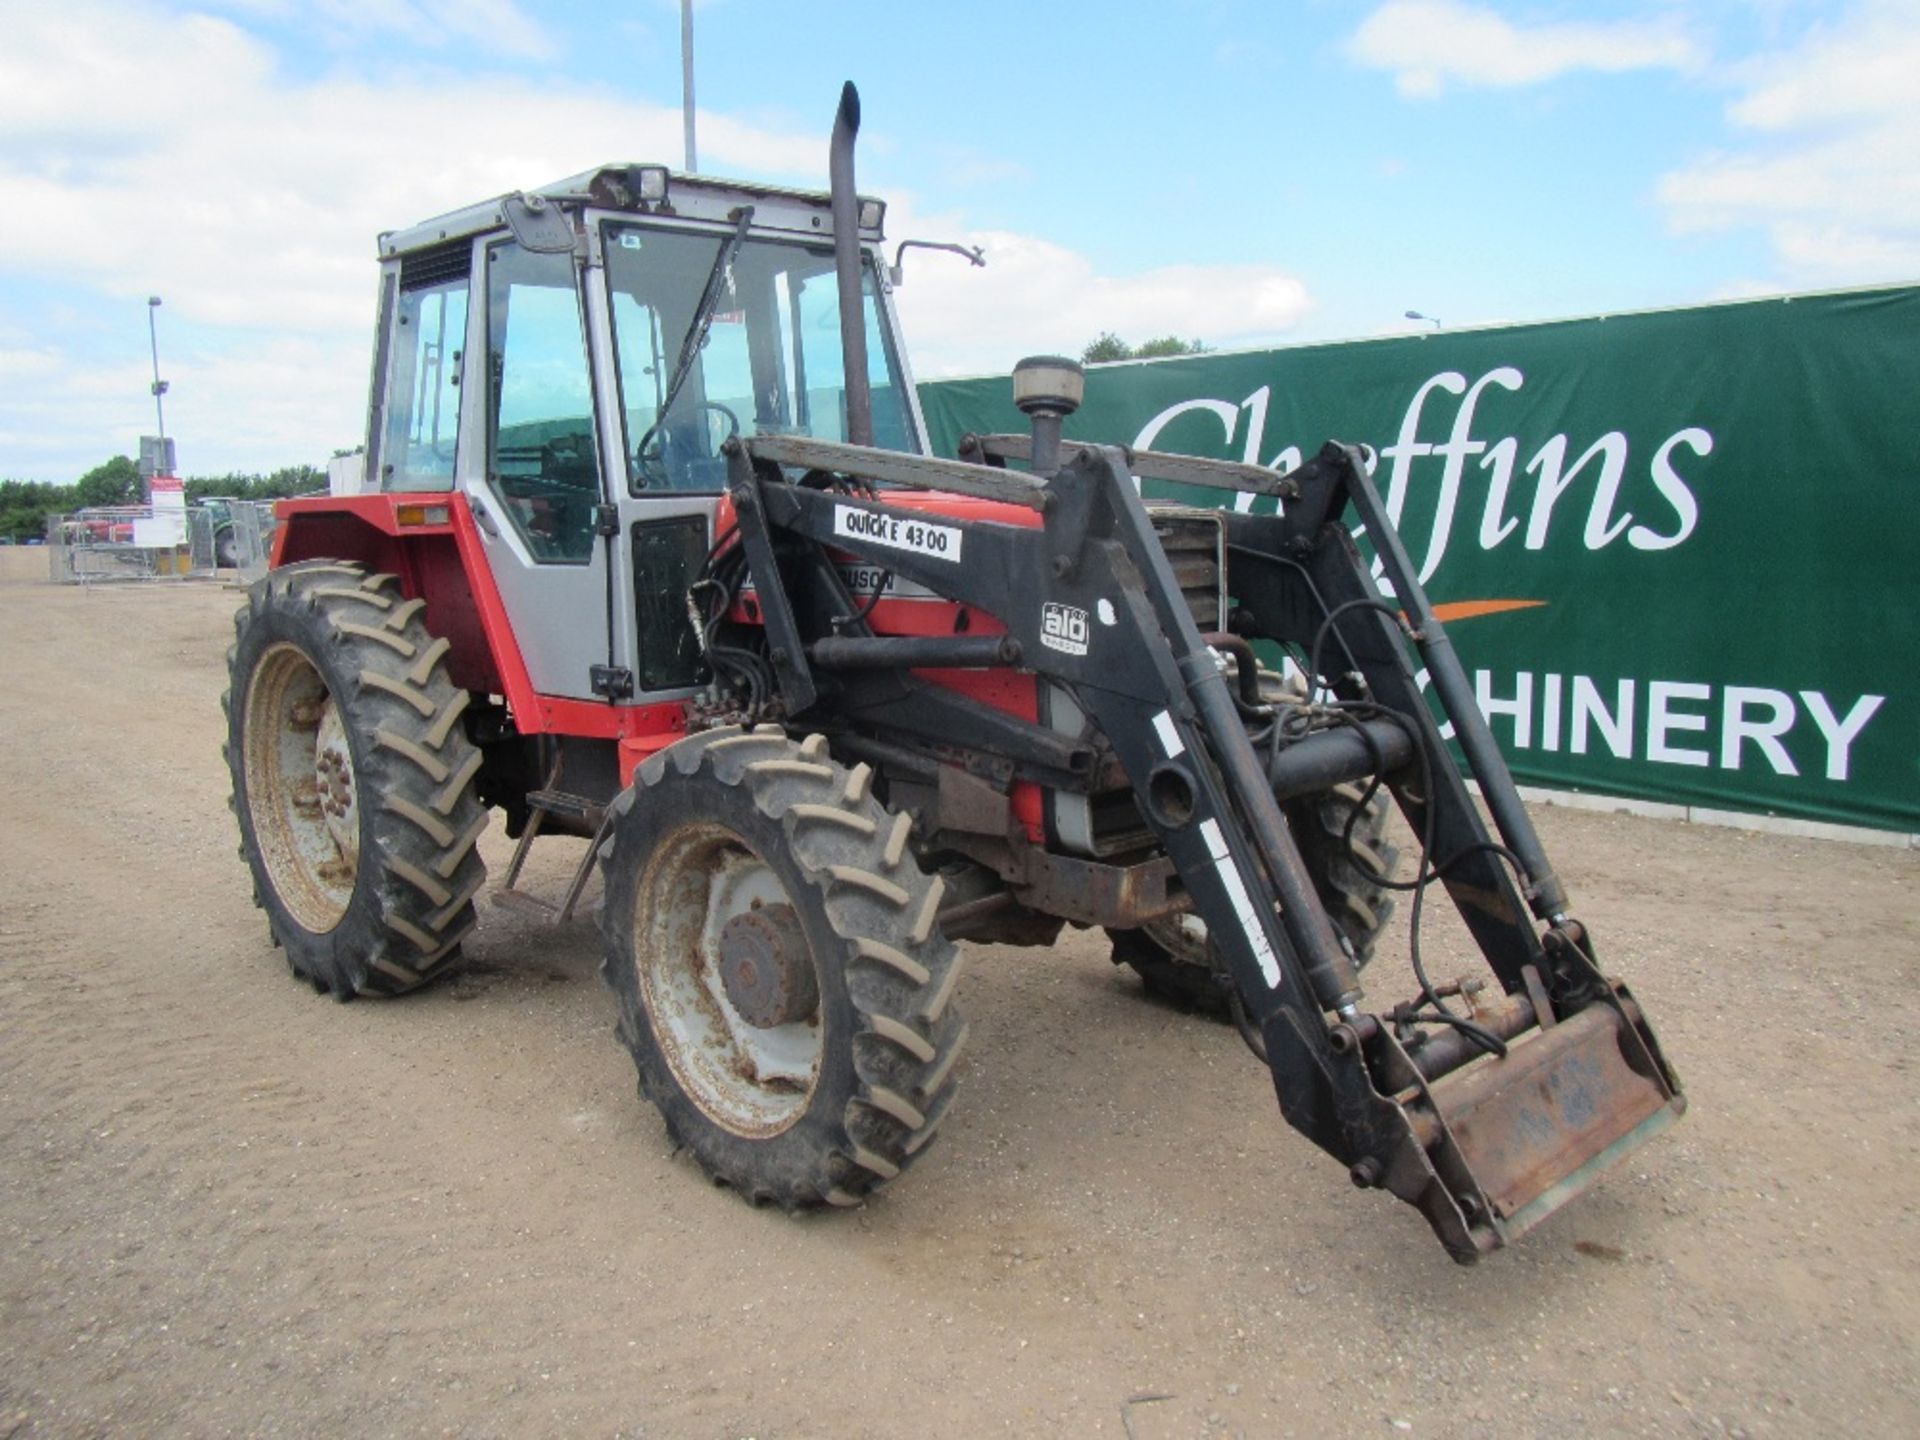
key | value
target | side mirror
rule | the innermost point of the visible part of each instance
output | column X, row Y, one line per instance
column 897, row 272
column 537, row 224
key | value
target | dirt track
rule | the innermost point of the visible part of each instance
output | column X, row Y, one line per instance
column 228, row 1206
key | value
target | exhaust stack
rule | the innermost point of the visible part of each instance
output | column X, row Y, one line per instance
column 846, row 264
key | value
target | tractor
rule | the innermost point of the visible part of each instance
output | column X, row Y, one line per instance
column 653, row 551
column 226, row 543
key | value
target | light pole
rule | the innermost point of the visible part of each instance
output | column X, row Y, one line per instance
column 686, row 80
column 159, row 385
column 1431, row 320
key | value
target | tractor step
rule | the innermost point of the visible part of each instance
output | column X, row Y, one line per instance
column 510, row 897
column 543, row 803
column 560, row 802
column 525, row 902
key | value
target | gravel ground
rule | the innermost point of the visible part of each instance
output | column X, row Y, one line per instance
column 230, row 1207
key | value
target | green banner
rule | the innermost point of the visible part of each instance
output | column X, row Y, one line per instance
column 1678, row 551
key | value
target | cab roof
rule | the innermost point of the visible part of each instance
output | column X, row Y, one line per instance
column 618, row 188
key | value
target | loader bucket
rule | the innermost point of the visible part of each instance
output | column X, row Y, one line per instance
column 1511, row 1139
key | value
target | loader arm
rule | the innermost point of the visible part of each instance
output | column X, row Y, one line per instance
column 1486, row 1126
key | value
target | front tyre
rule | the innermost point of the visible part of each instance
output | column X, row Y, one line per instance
column 352, row 779
column 782, row 983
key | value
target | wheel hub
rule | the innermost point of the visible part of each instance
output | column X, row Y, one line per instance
column 765, row 968
column 333, row 778
column 706, row 911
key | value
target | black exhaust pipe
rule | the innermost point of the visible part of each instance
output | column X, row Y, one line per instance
column 846, row 265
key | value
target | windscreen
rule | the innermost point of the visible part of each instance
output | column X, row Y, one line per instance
column 770, row 362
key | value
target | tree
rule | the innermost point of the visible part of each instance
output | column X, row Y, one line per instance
column 116, row 482
column 25, row 504
column 1110, row 347
column 1170, row 345
column 292, row 480
column 288, row 480
column 24, row 507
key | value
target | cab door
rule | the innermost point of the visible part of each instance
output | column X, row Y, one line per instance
column 537, row 495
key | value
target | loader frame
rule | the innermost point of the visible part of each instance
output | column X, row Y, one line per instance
column 1486, row 1126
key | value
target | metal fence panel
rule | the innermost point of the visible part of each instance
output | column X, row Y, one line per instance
column 57, row 549
column 101, row 544
column 201, row 558
column 253, row 525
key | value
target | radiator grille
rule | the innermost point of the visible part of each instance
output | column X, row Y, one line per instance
column 1195, row 542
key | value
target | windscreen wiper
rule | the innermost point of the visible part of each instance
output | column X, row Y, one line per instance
column 703, row 312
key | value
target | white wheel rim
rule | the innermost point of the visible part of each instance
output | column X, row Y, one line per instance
column 300, row 788
column 753, row 1081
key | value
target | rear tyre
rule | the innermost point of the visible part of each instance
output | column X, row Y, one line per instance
column 782, row 984
column 352, row 779
column 1173, row 957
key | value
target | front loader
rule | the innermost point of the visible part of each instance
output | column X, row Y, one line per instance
column 659, row 557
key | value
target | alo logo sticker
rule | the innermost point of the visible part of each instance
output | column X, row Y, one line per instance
column 1064, row 628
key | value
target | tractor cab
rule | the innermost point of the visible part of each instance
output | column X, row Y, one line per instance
column 570, row 361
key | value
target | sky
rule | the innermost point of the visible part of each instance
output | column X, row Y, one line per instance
column 1236, row 172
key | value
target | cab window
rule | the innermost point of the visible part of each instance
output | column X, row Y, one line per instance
column 764, row 360
column 417, row 443
column 542, row 459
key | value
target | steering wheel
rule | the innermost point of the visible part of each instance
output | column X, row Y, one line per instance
column 650, row 455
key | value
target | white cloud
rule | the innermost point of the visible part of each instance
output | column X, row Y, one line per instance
column 1036, row 297
column 281, row 400
column 252, row 205
column 1427, row 43
column 258, row 201
column 1831, row 170
column 27, row 363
